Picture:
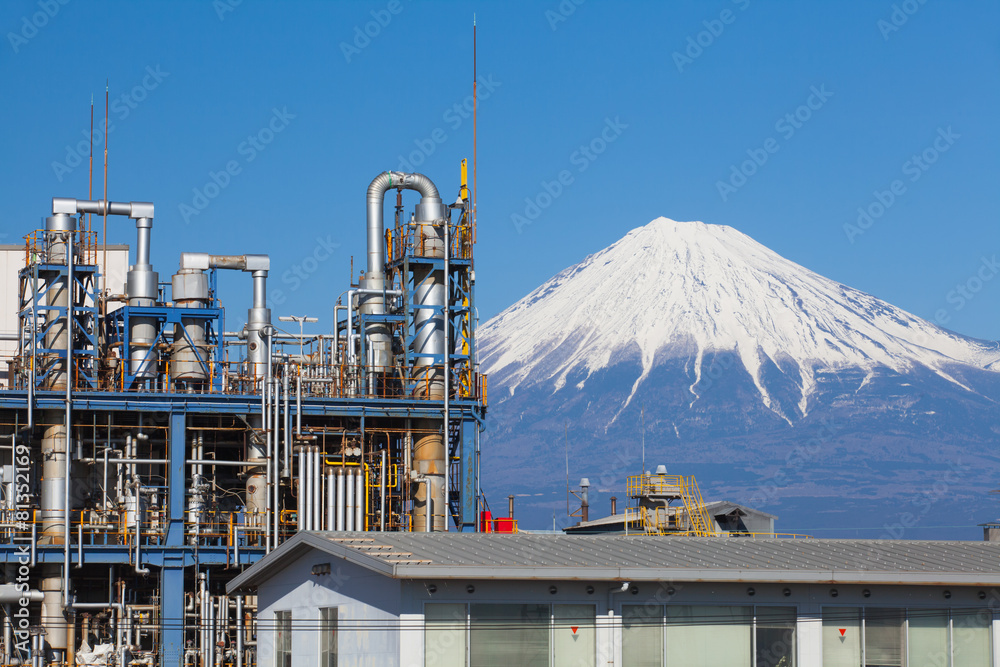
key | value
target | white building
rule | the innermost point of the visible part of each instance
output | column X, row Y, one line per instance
column 450, row 599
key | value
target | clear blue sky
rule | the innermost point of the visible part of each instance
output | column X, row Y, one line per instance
column 680, row 115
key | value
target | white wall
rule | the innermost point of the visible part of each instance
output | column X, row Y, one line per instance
column 368, row 613
column 12, row 261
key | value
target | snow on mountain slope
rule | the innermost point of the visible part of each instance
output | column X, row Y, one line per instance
column 683, row 289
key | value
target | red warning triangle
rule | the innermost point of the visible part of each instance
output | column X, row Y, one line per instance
column 574, row 628
column 842, row 631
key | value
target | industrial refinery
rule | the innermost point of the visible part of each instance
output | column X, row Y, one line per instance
column 150, row 453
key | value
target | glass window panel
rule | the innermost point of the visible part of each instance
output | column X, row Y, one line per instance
column 708, row 636
column 573, row 635
column 283, row 638
column 841, row 637
column 642, row 635
column 504, row 635
column 328, row 637
column 444, row 635
column 776, row 636
column 883, row 637
column 970, row 636
column 927, row 641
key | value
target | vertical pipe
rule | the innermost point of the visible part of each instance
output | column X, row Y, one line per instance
column 298, row 402
column 239, row 631
column 341, row 499
column 349, row 499
column 317, row 499
column 381, row 504
column 447, row 372
column 302, row 495
column 306, row 494
column 360, row 495
column 70, row 306
column 331, row 490
column 288, row 433
column 275, row 477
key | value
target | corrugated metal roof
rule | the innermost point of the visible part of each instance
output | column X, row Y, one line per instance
column 641, row 557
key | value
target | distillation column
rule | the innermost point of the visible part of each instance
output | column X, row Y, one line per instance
column 429, row 456
column 59, row 230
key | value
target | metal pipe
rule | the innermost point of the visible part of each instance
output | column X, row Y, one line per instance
column 70, row 307
column 349, row 500
column 288, row 433
column 447, row 373
column 307, row 490
column 331, row 491
column 360, row 495
column 239, row 631
column 430, row 199
column 275, row 471
column 302, row 488
column 382, row 492
column 341, row 500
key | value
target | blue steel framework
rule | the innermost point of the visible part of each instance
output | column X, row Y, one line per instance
column 142, row 564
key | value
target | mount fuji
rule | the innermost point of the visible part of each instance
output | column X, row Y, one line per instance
column 693, row 346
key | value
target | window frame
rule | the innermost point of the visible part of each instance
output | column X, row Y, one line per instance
column 329, row 645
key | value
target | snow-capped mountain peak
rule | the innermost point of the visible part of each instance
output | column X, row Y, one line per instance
column 684, row 290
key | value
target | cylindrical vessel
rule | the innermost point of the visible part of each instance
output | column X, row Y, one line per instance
column 349, row 499
column 189, row 355
column 341, row 500
column 359, row 499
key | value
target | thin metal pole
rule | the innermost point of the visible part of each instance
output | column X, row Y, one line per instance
column 447, row 376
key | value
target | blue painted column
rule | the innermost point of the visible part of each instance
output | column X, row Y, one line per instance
column 172, row 575
column 468, row 460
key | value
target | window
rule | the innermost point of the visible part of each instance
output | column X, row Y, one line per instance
column 444, row 635
column 883, row 637
column 775, row 636
column 928, row 639
column 841, row 637
column 503, row 635
column 642, row 635
column 510, row 635
column 910, row 637
column 573, row 635
column 970, row 637
column 283, row 638
column 328, row 637
column 708, row 636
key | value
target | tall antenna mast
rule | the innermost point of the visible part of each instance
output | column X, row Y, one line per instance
column 90, row 189
column 475, row 128
column 104, row 269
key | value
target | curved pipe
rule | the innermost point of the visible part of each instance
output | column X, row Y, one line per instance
column 430, row 205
